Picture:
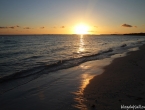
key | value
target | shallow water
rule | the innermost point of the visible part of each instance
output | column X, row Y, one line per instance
column 59, row 90
column 34, row 73
column 26, row 55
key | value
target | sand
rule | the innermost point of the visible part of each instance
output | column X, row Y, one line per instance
column 121, row 84
column 59, row 90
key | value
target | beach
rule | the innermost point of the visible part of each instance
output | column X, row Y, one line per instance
column 58, row 90
column 37, row 74
column 72, row 54
column 121, row 85
column 87, row 86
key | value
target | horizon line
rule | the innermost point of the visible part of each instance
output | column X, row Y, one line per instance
column 141, row 33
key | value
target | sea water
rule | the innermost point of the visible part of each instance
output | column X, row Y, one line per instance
column 50, row 72
column 26, row 55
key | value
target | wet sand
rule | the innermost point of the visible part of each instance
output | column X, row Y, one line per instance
column 122, row 83
column 59, row 90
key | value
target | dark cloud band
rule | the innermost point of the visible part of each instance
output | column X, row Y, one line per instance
column 126, row 25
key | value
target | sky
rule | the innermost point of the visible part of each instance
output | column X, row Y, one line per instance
column 62, row 16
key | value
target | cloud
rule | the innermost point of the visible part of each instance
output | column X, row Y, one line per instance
column 12, row 27
column 58, row 27
column 9, row 27
column 26, row 28
column 135, row 26
column 42, row 27
column 126, row 25
column 62, row 26
column 17, row 26
column 3, row 27
column 95, row 26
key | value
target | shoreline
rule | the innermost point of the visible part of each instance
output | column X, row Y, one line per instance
column 122, row 83
column 63, row 88
column 57, row 90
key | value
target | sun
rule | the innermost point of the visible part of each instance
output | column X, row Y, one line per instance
column 81, row 29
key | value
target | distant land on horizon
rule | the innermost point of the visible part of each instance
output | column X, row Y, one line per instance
column 140, row 34
column 135, row 34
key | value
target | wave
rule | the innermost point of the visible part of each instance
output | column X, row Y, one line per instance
column 25, row 76
column 64, row 64
column 45, row 69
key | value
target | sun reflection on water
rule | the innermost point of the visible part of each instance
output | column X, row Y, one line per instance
column 81, row 45
column 86, row 77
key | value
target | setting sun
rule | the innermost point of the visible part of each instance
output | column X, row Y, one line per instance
column 81, row 29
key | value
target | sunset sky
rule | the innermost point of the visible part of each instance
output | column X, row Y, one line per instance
column 63, row 16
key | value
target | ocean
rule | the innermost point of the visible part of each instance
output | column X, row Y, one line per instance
column 50, row 72
column 27, row 55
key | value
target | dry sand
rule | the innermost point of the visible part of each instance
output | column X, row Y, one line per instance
column 122, row 83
